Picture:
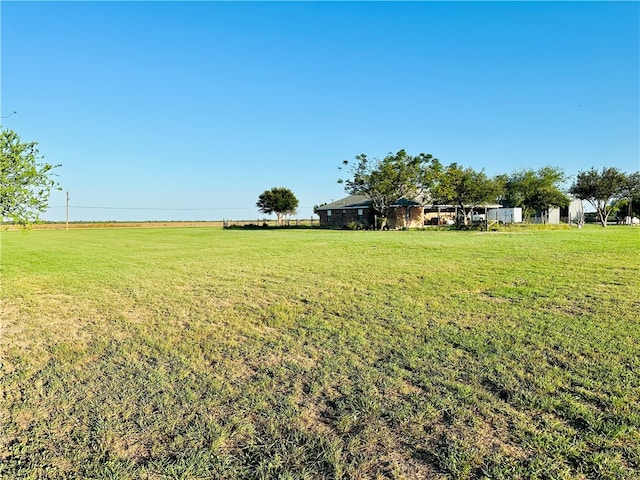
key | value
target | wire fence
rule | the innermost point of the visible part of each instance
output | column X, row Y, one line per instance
column 98, row 213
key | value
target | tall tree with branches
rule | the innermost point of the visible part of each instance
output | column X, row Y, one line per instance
column 632, row 191
column 604, row 190
column 465, row 188
column 535, row 190
column 385, row 181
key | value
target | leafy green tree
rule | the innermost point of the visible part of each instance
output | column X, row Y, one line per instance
column 278, row 200
column 627, row 208
column 535, row 190
column 385, row 181
column 604, row 190
column 465, row 188
column 632, row 194
column 25, row 184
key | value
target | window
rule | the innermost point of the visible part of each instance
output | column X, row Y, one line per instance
column 328, row 213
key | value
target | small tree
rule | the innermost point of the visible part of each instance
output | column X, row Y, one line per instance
column 25, row 184
column 465, row 188
column 385, row 181
column 278, row 200
column 603, row 190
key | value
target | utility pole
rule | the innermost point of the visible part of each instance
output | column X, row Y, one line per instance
column 67, row 209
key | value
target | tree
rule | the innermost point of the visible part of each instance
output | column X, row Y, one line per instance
column 603, row 190
column 629, row 208
column 535, row 190
column 632, row 193
column 464, row 188
column 278, row 200
column 25, row 184
column 385, row 181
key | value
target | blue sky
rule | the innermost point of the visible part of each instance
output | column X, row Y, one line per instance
column 176, row 110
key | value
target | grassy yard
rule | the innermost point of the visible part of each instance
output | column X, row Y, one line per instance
column 194, row 353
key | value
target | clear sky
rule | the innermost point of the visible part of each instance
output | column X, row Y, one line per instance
column 176, row 110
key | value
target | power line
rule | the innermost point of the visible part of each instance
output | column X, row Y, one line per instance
column 141, row 208
column 157, row 209
column 134, row 208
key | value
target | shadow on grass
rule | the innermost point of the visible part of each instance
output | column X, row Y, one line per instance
column 253, row 226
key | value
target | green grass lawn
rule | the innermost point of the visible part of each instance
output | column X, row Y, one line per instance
column 198, row 353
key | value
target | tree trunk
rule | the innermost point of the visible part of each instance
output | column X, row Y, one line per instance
column 462, row 220
column 602, row 213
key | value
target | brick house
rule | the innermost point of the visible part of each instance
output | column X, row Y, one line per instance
column 354, row 208
column 404, row 213
column 359, row 209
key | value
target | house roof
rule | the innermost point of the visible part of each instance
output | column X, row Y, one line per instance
column 405, row 202
column 352, row 201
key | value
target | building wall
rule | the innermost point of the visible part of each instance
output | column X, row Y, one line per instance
column 572, row 212
column 340, row 218
column 564, row 215
column 505, row 215
column 398, row 217
column 554, row 216
column 547, row 217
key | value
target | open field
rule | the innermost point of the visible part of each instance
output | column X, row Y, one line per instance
column 84, row 225
column 195, row 353
column 157, row 224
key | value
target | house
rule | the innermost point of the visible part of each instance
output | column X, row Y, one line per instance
column 358, row 210
column 405, row 213
column 354, row 208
